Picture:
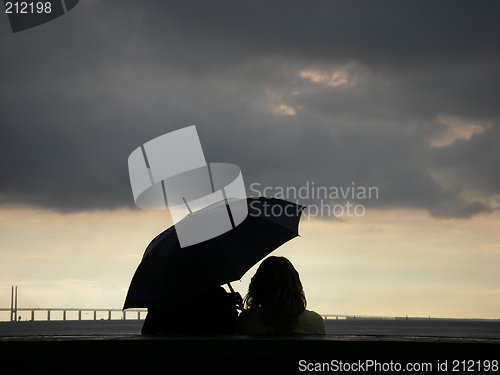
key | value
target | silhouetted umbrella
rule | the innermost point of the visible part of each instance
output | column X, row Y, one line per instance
column 169, row 274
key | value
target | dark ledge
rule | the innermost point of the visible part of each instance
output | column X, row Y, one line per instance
column 127, row 353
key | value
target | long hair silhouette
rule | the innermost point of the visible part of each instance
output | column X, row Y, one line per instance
column 277, row 290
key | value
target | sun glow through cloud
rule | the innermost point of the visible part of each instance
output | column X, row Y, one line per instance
column 334, row 79
column 362, row 265
column 457, row 128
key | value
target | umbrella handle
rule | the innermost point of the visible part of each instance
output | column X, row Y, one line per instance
column 230, row 287
column 239, row 301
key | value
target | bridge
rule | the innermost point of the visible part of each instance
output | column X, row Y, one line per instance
column 333, row 316
column 124, row 313
column 136, row 313
column 14, row 309
column 128, row 312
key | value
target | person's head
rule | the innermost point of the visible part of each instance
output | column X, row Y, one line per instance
column 277, row 290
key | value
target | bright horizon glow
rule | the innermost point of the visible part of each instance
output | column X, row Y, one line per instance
column 387, row 263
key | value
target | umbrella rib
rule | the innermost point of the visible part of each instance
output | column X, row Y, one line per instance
column 228, row 210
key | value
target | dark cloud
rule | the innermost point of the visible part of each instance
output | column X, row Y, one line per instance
column 79, row 94
column 474, row 163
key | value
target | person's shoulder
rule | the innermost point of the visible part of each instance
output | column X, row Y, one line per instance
column 250, row 322
column 312, row 314
column 250, row 313
column 310, row 322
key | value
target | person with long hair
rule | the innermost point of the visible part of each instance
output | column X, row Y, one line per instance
column 276, row 303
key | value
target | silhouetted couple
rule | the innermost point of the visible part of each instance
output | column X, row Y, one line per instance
column 275, row 304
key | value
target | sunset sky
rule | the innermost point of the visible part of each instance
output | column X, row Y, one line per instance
column 398, row 96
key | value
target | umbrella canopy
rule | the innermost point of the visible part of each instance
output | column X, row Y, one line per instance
column 169, row 274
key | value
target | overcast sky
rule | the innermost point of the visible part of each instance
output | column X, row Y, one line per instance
column 398, row 95
column 402, row 96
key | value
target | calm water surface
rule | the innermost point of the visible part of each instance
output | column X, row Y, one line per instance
column 435, row 328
